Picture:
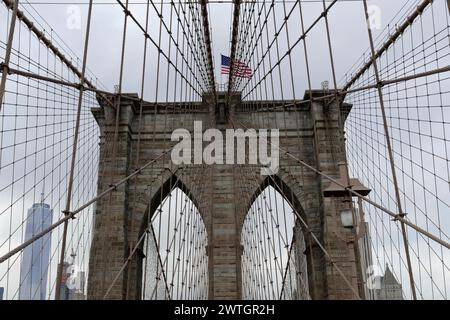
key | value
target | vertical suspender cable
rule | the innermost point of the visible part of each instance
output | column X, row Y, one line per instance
column 74, row 153
column 5, row 65
column 390, row 153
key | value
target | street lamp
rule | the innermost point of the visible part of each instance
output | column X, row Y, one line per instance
column 347, row 218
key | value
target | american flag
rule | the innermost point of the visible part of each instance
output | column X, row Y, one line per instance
column 240, row 69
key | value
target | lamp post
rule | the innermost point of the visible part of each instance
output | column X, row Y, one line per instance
column 347, row 219
column 347, row 215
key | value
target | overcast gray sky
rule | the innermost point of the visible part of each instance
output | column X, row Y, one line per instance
column 348, row 36
column 348, row 32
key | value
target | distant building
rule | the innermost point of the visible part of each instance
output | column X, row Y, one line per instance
column 1, row 293
column 35, row 257
column 376, row 287
column 365, row 252
column 390, row 288
column 73, row 280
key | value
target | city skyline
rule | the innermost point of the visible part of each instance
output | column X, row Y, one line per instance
column 35, row 259
column 91, row 92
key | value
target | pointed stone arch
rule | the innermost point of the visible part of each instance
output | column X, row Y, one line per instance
column 223, row 194
column 161, row 192
column 291, row 190
column 292, row 193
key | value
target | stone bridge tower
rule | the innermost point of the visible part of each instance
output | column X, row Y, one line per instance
column 309, row 131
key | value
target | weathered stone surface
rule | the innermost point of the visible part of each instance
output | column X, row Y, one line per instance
column 222, row 193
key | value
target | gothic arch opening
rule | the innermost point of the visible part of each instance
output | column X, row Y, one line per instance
column 174, row 263
column 274, row 263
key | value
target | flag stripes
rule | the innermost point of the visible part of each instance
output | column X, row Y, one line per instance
column 240, row 68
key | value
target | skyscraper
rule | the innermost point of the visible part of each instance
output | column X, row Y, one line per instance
column 390, row 288
column 365, row 252
column 73, row 280
column 35, row 258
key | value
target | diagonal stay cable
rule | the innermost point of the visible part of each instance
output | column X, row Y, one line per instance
column 72, row 214
column 357, row 194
